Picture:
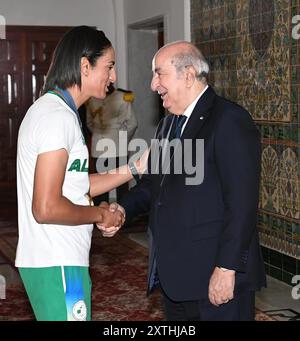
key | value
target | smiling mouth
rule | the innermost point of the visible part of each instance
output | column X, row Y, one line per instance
column 162, row 95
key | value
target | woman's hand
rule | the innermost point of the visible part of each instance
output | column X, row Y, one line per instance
column 142, row 163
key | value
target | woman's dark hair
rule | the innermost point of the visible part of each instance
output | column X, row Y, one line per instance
column 65, row 68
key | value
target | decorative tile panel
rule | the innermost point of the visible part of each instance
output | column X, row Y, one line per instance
column 264, row 61
column 255, row 62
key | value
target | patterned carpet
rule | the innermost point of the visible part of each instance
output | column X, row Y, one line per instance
column 118, row 272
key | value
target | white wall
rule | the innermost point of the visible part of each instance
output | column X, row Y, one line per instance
column 112, row 16
column 141, row 45
column 98, row 13
column 146, row 102
column 176, row 13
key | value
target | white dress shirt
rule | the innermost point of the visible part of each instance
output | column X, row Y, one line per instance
column 188, row 111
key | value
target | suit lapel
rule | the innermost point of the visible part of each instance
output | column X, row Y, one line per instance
column 163, row 131
column 162, row 137
column 196, row 120
column 199, row 114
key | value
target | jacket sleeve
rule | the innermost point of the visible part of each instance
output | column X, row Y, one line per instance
column 237, row 152
column 138, row 199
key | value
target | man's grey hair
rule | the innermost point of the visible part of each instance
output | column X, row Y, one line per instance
column 190, row 56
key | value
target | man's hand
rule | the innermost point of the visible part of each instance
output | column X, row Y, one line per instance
column 113, row 207
column 221, row 286
column 110, row 227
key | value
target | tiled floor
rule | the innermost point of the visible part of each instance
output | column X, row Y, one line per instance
column 276, row 299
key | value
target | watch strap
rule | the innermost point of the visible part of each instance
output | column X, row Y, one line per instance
column 134, row 171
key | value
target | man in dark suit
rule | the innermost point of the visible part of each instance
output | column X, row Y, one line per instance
column 204, row 246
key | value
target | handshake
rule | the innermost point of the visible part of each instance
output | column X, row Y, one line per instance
column 113, row 217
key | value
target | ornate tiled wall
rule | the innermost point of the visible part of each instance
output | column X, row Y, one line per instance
column 255, row 61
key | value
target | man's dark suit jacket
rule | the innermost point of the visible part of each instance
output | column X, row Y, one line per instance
column 194, row 228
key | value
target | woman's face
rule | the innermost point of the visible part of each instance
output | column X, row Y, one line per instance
column 101, row 75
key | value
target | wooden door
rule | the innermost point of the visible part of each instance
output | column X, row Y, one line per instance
column 25, row 57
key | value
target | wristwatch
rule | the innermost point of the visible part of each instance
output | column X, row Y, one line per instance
column 134, row 171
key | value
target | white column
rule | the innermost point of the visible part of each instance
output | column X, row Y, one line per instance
column 120, row 43
column 187, row 20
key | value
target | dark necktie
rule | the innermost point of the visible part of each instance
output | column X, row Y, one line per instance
column 179, row 122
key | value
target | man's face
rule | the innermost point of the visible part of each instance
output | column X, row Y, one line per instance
column 168, row 84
